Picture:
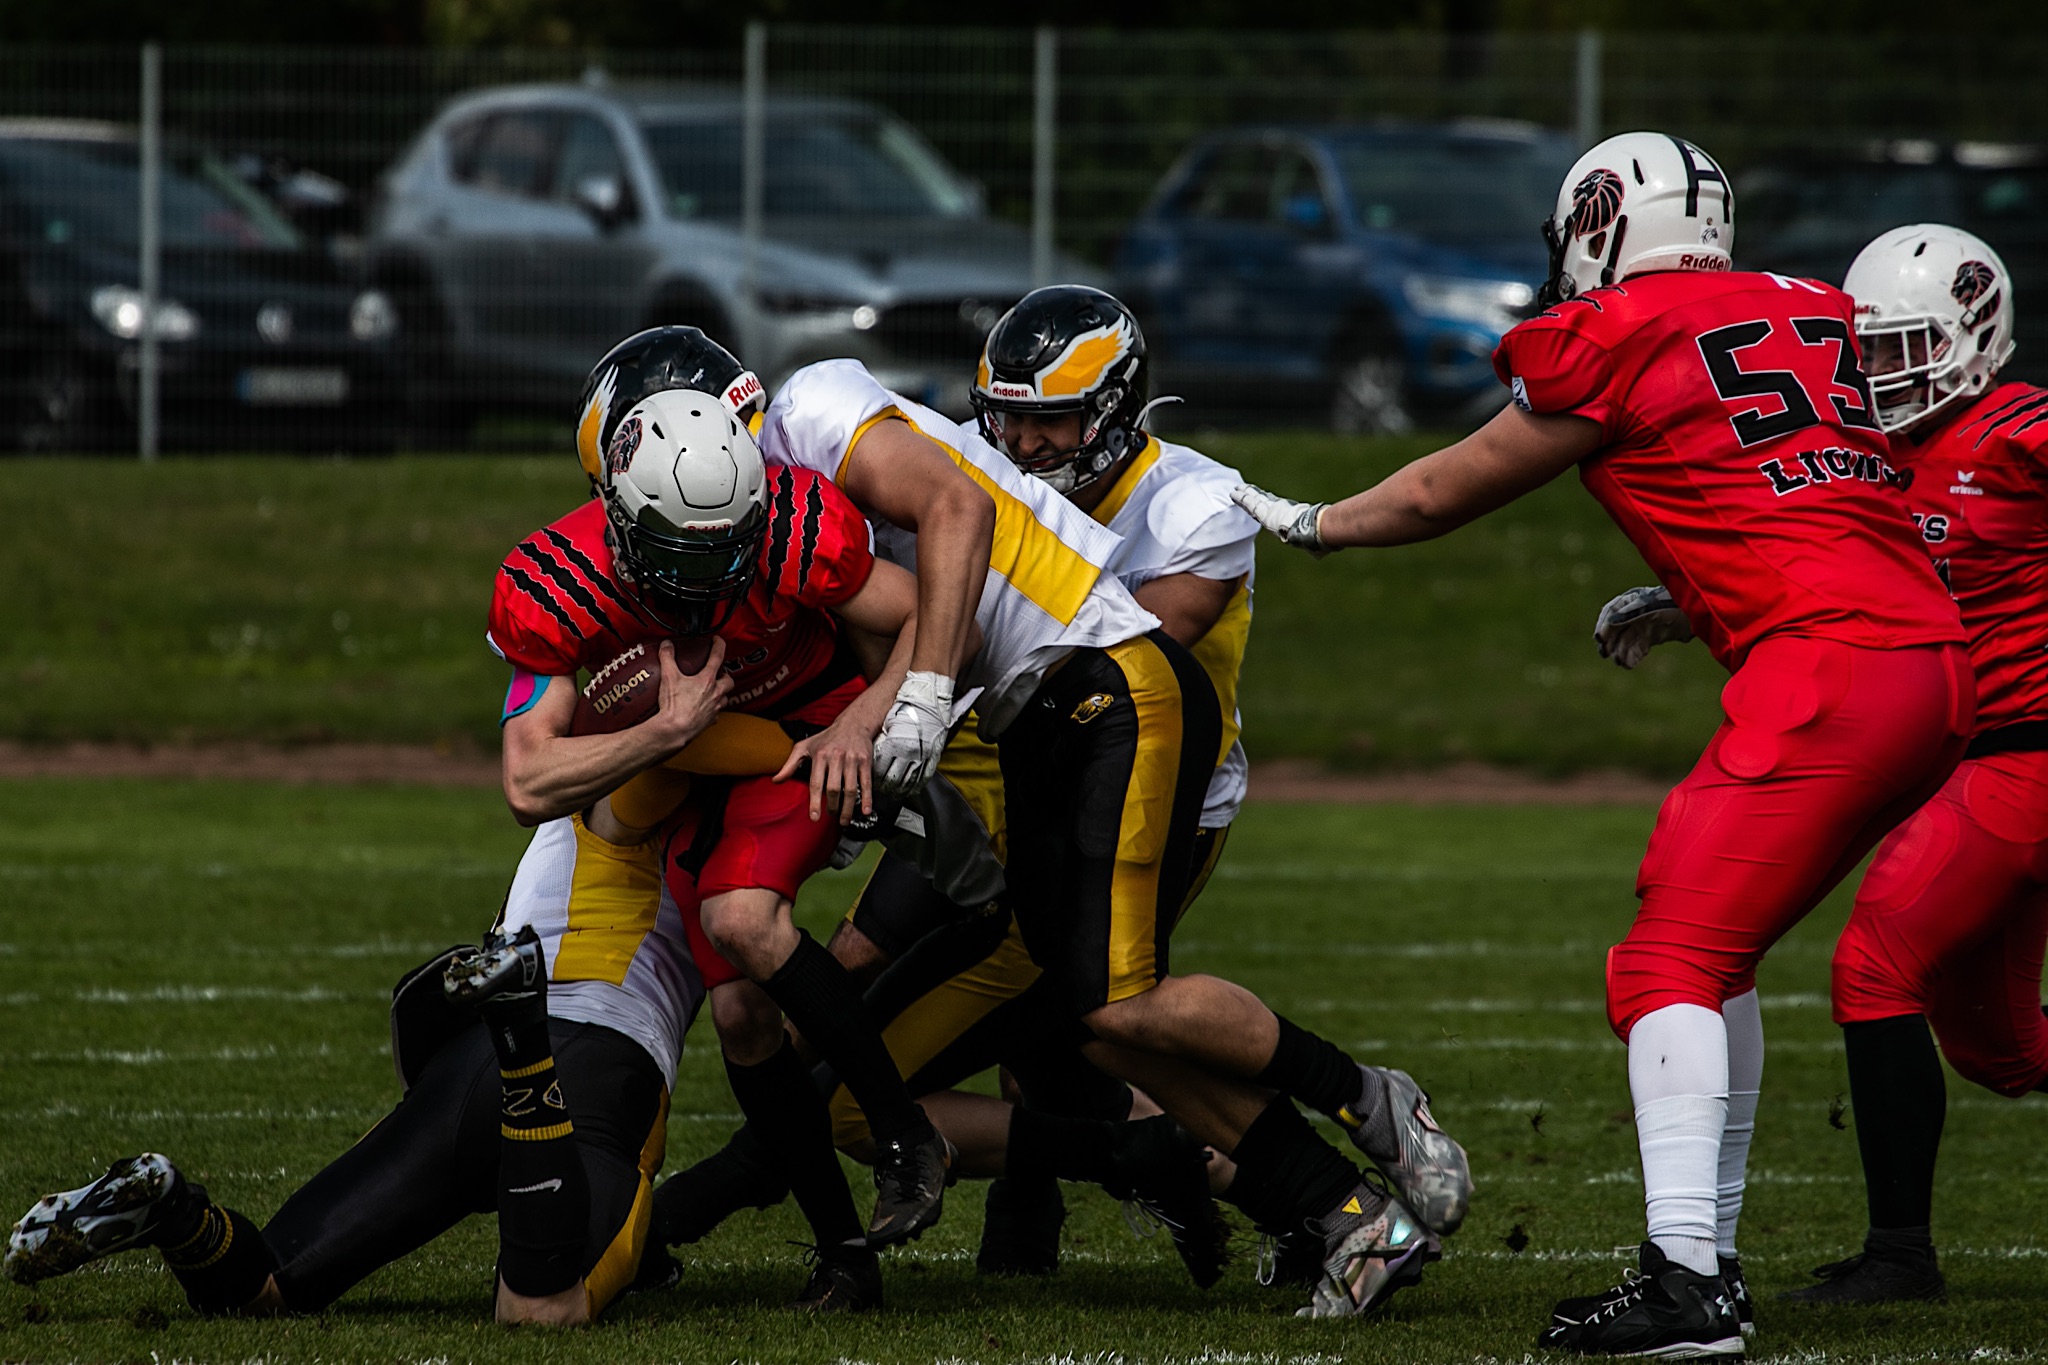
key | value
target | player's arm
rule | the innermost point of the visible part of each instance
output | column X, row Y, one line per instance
column 842, row 754
column 550, row 773
column 1188, row 605
column 1513, row 454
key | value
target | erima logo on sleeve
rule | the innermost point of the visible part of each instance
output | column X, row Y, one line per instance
column 1520, row 391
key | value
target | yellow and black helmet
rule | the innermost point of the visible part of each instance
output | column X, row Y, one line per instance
column 1067, row 348
column 651, row 362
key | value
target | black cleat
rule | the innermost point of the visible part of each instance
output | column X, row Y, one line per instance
column 74, row 1228
column 499, row 968
column 843, row 1280
column 1738, row 1293
column 911, row 1175
column 658, row 1271
column 1887, row 1275
column 1163, row 1176
column 1372, row 1246
column 1020, row 1230
column 1666, row 1311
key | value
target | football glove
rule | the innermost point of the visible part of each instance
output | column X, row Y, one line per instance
column 1294, row 522
column 914, row 734
column 1631, row 625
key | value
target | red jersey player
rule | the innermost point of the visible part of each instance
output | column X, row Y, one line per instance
column 692, row 535
column 1722, row 421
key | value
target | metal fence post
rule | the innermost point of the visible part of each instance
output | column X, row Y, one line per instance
column 1588, row 87
column 753, row 168
column 151, row 249
column 1044, row 131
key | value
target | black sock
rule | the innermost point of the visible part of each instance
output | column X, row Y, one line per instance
column 739, row 1175
column 823, row 1001
column 1315, row 1071
column 792, row 1124
column 1046, row 1145
column 218, row 1255
column 1900, row 1100
column 543, row 1191
column 1899, row 1244
column 1286, row 1173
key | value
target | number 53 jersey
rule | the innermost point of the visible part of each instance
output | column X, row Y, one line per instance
column 1741, row 453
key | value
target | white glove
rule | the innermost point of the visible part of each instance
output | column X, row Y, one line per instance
column 914, row 734
column 1294, row 522
column 1636, row 622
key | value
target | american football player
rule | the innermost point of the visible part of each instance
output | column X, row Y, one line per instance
column 691, row 535
column 1722, row 420
column 1950, row 921
column 1108, row 733
column 536, row 1072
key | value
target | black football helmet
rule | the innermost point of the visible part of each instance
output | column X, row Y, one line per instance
column 1066, row 348
column 650, row 362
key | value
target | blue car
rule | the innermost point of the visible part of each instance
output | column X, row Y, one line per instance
column 1361, row 274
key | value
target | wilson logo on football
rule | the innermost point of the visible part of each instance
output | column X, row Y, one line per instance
column 625, row 441
column 1596, row 202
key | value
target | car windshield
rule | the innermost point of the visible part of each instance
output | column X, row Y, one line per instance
column 1459, row 191
column 835, row 166
column 1790, row 211
column 87, row 191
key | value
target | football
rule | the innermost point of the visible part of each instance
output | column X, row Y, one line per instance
column 627, row 689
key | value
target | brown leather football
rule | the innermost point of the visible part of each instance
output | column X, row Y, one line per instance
column 627, row 690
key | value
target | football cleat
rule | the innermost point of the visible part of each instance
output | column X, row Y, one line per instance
column 1020, row 1228
column 1663, row 1310
column 843, row 1280
column 1738, row 1292
column 1428, row 1170
column 499, row 968
column 1892, row 1275
column 1163, row 1179
column 911, row 1175
column 1372, row 1246
column 121, row 1209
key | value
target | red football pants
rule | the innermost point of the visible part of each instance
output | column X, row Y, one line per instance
column 1825, row 747
column 1950, row 923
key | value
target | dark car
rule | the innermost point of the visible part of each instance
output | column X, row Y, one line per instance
column 1809, row 214
column 264, row 339
column 1359, row 274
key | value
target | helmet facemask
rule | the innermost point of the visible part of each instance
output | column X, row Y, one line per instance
column 1071, row 469
column 1934, row 319
column 690, row 581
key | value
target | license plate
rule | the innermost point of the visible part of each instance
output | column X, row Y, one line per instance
column 292, row 388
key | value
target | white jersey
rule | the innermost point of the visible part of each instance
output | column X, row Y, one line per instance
column 616, row 951
column 1173, row 511
column 1047, row 594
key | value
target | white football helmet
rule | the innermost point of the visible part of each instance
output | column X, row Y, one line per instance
column 1934, row 314
column 1637, row 202
column 685, row 501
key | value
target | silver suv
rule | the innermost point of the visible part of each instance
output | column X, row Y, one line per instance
column 527, row 229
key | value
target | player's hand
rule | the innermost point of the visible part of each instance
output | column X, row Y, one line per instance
column 914, row 735
column 842, row 768
column 1636, row 622
column 1296, row 523
column 690, row 701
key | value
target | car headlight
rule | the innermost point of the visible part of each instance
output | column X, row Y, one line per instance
column 119, row 310
column 373, row 317
column 1497, row 304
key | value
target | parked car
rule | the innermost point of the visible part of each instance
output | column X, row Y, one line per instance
column 1809, row 214
column 1359, row 274
column 264, row 339
column 527, row 229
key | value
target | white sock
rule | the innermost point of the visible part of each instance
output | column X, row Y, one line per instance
column 1744, row 1019
column 1678, row 1074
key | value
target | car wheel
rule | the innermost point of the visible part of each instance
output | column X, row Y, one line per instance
column 68, row 406
column 437, row 414
column 1368, row 387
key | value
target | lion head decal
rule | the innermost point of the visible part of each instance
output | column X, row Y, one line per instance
column 1596, row 203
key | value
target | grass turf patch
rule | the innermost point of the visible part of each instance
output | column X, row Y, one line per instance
column 202, row 969
column 293, row 601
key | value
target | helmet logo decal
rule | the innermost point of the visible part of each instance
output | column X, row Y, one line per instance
column 1596, row 203
column 1700, row 169
column 742, row 391
column 1082, row 365
column 1974, row 280
column 625, row 441
column 590, row 427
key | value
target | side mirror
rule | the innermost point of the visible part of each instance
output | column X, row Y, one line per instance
column 603, row 197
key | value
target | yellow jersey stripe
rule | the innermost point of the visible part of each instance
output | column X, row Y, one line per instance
column 839, row 472
column 614, row 898
column 1221, row 655
column 1120, row 491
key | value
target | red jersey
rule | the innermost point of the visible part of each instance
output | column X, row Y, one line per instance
column 1979, row 493
column 556, row 607
column 1742, row 455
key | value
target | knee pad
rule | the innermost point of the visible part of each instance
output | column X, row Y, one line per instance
column 1645, row 977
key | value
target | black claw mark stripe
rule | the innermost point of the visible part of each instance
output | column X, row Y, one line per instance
column 781, row 525
column 521, row 581
column 814, row 525
column 2019, row 413
column 565, row 579
column 590, row 571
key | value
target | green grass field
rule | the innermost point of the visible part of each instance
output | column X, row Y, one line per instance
column 293, row 601
column 202, row 969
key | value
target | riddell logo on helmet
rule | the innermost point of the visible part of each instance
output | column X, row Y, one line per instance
column 999, row 389
column 1689, row 261
column 742, row 391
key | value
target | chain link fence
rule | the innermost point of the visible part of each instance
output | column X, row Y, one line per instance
column 369, row 250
